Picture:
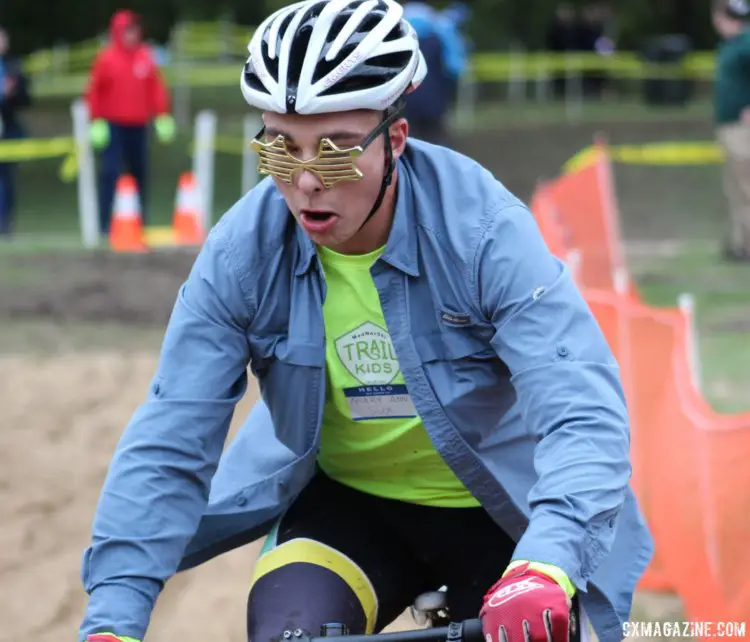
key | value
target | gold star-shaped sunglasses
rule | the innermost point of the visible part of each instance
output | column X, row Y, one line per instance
column 331, row 165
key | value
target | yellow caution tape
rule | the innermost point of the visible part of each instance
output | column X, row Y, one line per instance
column 223, row 145
column 69, row 168
column 30, row 149
column 228, row 145
column 66, row 75
column 673, row 154
column 581, row 160
column 685, row 153
column 15, row 151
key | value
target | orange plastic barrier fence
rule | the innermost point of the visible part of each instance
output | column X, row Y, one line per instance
column 589, row 214
column 641, row 380
column 548, row 218
column 690, row 469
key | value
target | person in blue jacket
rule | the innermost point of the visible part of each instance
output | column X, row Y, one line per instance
column 438, row 405
column 445, row 53
column 14, row 97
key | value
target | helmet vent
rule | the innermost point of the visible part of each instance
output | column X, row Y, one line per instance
column 354, row 83
column 251, row 78
column 297, row 55
column 325, row 67
column 390, row 61
column 336, row 26
column 272, row 64
column 394, row 34
column 282, row 30
column 369, row 23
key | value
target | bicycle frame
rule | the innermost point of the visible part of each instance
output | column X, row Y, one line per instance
column 466, row 631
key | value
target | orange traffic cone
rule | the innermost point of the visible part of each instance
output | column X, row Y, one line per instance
column 126, row 231
column 187, row 223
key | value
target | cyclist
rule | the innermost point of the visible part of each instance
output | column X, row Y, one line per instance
column 439, row 406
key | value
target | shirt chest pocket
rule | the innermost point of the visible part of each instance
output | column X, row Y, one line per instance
column 468, row 379
column 280, row 352
column 460, row 359
column 453, row 343
column 290, row 377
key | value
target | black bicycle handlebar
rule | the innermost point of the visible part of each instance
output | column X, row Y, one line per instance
column 465, row 631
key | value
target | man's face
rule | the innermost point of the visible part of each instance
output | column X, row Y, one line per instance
column 726, row 26
column 131, row 36
column 332, row 216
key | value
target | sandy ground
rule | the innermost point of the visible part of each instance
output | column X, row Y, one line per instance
column 57, row 435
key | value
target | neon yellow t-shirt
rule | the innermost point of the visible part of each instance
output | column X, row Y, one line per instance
column 372, row 438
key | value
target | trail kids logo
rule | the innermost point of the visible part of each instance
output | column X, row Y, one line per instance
column 368, row 354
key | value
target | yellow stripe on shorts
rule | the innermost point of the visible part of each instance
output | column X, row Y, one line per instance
column 311, row 552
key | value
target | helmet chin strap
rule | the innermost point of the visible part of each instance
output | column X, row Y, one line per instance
column 391, row 115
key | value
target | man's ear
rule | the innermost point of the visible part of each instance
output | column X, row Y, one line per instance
column 398, row 132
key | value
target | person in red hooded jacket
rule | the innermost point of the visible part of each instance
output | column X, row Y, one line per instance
column 126, row 93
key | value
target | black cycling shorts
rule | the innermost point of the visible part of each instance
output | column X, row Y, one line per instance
column 340, row 555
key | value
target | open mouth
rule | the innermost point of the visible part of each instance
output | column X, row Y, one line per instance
column 317, row 216
column 317, row 220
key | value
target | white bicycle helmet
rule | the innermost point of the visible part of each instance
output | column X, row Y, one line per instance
column 321, row 56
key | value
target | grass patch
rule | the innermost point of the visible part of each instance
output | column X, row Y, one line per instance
column 531, row 114
column 722, row 313
column 46, row 337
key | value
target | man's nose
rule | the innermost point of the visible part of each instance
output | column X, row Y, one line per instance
column 308, row 182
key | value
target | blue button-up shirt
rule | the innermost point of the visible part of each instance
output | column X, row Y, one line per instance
column 505, row 364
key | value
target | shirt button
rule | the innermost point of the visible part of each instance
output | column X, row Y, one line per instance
column 240, row 500
column 563, row 351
